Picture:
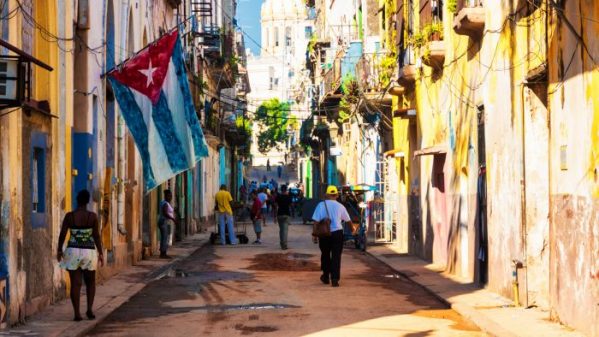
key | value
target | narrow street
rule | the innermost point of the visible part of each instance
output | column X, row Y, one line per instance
column 259, row 290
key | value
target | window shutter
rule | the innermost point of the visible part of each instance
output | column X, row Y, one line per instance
column 426, row 16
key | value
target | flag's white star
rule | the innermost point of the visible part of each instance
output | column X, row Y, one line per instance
column 149, row 73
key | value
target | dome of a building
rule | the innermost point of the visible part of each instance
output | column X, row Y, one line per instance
column 283, row 9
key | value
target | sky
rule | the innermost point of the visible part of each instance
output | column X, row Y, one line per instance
column 248, row 18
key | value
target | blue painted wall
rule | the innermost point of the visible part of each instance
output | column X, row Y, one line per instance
column 222, row 156
column 351, row 58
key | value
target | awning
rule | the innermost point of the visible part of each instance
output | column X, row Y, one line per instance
column 432, row 150
column 24, row 55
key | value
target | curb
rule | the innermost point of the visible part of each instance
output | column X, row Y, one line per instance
column 487, row 325
column 153, row 275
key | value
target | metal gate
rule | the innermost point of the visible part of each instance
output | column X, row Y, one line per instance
column 385, row 204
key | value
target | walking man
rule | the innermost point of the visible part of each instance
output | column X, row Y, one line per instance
column 331, row 247
column 283, row 202
column 256, row 215
column 224, row 213
column 263, row 198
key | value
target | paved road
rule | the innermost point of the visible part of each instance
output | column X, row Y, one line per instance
column 261, row 290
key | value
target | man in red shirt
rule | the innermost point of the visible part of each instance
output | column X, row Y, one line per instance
column 256, row 216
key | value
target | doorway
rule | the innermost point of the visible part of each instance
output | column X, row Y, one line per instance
column 440, row 223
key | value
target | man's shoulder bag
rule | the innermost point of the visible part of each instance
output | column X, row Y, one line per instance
column 322, row 228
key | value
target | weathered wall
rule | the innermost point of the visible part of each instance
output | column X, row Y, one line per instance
column 482, row 78
column 574, row 166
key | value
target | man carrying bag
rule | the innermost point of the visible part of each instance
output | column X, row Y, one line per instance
column 332, row 213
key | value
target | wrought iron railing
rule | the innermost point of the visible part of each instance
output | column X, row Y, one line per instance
column 332, row 78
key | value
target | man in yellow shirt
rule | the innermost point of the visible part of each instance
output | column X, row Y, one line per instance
column 224, row 213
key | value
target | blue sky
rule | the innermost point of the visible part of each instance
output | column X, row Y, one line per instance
column 248, row 18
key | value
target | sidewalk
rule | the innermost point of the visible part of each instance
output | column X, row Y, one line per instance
column 56, row 319
column 491, row 312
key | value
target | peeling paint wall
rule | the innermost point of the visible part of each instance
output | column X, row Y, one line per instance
column 481, row 84
column 574, row 148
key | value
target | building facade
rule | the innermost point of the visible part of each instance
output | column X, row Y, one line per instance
column 66, row 134
column 280, row 68
column 485, row 128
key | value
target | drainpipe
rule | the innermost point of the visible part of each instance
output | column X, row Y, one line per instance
column 524, row 229
column 121, row 177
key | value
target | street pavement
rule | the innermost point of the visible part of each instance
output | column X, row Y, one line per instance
column 262, row 290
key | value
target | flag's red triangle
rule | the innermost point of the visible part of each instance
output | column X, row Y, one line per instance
column 146, row 71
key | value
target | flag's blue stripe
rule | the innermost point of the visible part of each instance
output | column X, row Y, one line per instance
column 199, row 143
column 135, row 122
column 163, row 119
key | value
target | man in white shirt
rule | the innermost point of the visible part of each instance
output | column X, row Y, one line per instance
column 331, row 247
column 263, row 198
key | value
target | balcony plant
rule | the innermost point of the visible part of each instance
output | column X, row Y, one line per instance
column 386, row 67
column 351, row 97
column 452, row 6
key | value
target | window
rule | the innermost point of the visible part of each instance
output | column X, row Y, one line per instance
column 288, row 36
column 276, row 36
column 37, row 177
column 308, row 32
column 267, row 37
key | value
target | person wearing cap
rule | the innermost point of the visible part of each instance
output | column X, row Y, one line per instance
column 224, row 214
column 331, row 247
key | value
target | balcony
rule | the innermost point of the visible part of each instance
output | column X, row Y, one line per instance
column 367, row 73
column 407, row 75
column 434, row 55
column 332, row 81
column 470, row 18
column 210, row 39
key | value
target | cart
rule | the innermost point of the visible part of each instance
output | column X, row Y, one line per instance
column 241, row 219
column 353, row 197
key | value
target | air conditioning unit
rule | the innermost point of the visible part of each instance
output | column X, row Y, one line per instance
column 9, row 80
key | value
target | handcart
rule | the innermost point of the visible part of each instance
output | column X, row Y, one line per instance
column 241, row 219
column 353, row 197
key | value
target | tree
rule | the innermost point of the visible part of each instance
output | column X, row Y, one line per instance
column 274, row 118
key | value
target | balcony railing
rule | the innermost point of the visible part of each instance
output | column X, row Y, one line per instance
column 210, row 38
column 332, row 79
column 367, row 73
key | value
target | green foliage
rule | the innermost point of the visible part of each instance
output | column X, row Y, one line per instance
column 386, row 68
column 312, row 44
column 390, row 31
column 233, row 61
column 417, row 40
column 432, row 29
column 421, row 38
column 275, row 119
column 452, row 6
column 244, row 130
column 351, row 96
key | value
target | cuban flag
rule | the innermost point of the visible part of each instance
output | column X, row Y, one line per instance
column 153, row 93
